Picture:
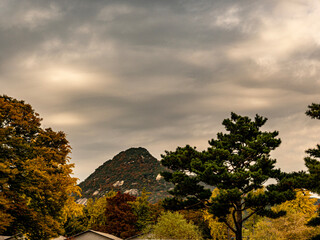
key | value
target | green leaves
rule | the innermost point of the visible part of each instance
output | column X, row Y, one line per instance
column 174, row 226
column 181, row 159
column 313, row 111
column 312, row 162
column 237, row 163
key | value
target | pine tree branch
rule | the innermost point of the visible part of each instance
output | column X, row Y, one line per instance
column 229, row 226
column 234, row 218
column 246, row 218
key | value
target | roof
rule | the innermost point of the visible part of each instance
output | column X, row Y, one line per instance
column 107, row 235
column 140, row 236
column 4, row 237
column 19, row 236
column 59, row 238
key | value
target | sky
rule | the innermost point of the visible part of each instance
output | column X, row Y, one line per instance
column 160, row 74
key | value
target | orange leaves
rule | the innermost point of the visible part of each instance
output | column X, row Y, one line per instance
column 35, row 172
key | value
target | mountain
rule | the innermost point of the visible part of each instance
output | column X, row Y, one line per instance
column 129, row 171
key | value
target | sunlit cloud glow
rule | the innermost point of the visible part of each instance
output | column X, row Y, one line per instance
column 161, row 74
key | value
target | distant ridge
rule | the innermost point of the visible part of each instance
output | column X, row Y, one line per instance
column 129, row 171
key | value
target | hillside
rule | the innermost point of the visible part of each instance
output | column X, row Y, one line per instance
column 129, row 171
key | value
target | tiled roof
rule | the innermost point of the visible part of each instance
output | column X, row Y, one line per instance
column 109, row 236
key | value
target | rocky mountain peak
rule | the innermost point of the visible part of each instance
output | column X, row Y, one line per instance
column 129, row 171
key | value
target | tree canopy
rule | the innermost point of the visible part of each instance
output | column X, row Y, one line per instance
column 119, row 218
column 142, row 209
column 238, row 163
column 172, row 225
column 312, row 162
column 291, row 226
column 35, row 173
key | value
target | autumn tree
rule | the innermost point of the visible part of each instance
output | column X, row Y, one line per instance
column 75, row 225
column 143, row 210
column 92, row 215
column 198, row 219
column 172, row 225
column 119, row 218
column 292, row 226
column 35, row 173
column 237, row 162
column 95, row 209
column 117, row 213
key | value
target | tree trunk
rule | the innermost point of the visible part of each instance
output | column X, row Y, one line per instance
column 239, row 223
column 239, row 234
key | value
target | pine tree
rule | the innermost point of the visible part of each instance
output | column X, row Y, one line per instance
column 237, row 162
column 312, row 162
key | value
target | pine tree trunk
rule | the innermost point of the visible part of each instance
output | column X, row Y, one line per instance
column 239, row 235
column 239, row 224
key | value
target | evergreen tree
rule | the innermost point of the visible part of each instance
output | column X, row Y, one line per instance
column 312, row 162
column 237, row 162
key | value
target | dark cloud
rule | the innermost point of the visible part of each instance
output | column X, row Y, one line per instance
column 158, row 74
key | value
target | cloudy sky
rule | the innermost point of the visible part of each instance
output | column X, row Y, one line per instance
column 163, row 73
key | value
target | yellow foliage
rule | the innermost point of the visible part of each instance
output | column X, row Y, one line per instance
column 292, row 226
column 96, row 210
column 35, row 173
column 218, row 230
column 175, row 226
column 71, row 209
column 301, row 204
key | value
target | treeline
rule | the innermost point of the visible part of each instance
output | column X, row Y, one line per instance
column 37, row 190
column 125, row 216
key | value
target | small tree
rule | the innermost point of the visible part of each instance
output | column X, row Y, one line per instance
column 174, row 226
column 237, row 162
column 95, row 209
column 142, row 209
column 119, row 218
column 197, row 217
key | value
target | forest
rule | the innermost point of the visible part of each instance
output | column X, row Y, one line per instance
column 37, row 190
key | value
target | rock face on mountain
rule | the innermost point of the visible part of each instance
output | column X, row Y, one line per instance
column 130, row 171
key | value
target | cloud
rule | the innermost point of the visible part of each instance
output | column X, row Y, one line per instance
column 16, row 14
column 160, row 74
column 65, row 119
